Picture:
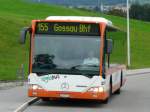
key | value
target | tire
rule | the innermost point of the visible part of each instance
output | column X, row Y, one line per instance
column 118, row 91
column 121, row 79
column 105, row 101
column 110, row 87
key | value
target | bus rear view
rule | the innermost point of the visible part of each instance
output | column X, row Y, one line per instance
column 67, row 58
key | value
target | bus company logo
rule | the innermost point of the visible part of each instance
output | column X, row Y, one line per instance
column 64, row 86
column 49, row 77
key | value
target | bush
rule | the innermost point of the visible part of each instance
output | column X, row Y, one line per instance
column 141, row 12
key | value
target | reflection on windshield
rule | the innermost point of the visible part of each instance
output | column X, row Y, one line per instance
column 65, row 52
column 44, row 61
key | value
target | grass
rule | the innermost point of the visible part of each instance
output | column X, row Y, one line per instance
column 15, row 14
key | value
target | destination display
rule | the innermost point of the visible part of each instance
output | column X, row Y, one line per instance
column 67, row 28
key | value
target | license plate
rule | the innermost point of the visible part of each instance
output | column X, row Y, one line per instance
column 64, row 95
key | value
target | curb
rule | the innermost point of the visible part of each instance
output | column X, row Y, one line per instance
column 138, row 72
column 135, row 74
column 10, row 84
column 26, row 104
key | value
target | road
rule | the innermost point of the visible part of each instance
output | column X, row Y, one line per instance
column 135, row 96
column 10, row 99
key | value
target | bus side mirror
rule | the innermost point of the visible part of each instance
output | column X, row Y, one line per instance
column 109, row 46
column 23, row 34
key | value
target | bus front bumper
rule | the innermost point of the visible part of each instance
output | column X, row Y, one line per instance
column 68, row 95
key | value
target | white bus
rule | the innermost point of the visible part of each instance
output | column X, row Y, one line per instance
column 70, row 58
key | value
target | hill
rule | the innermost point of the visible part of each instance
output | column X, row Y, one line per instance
column 82, row 2
column 15, row 14
column 90, row 2
column 141, row 1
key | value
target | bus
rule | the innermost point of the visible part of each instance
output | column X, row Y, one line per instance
column 71, row 57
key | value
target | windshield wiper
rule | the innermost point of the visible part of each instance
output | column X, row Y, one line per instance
column 75, row 67
column 78, row 66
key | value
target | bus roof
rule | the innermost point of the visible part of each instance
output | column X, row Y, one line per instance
column 80, row 18
column 84, row 19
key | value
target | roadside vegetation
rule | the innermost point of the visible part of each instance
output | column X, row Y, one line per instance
column 16, row 14
column 137, row 11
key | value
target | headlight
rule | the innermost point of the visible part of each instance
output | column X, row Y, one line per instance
column 35, row 87
column 96, row 89
column 101, row 89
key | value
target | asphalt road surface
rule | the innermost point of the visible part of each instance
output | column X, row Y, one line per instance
column 12, row 98
column 134, row 97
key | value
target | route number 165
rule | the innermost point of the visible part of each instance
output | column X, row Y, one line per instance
column 43, row 27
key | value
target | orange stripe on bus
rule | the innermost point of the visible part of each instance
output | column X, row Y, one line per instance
column 102, row 31
column 32, row 43
column 72, row 95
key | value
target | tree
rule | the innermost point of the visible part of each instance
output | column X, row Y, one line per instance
column 141, row 12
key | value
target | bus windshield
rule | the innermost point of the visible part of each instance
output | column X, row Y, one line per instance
column 67, row 54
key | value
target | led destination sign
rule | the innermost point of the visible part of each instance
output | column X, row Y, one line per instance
column 67, row 28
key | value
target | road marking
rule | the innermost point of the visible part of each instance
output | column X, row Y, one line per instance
column 134, row 74
column 26, row 104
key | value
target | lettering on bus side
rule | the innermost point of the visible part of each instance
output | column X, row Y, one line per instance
column 47, row 78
